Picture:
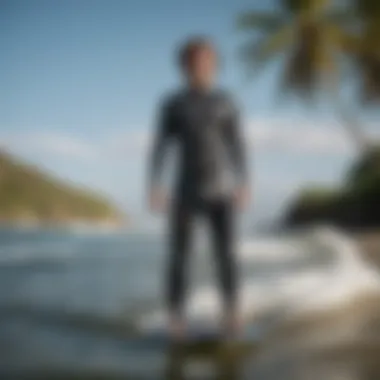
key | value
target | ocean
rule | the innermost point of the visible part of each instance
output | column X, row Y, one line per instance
column 81, row 304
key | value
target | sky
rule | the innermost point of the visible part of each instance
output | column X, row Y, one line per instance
column 80, row 81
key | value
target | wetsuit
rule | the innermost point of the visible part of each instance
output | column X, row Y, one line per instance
column 205, row 127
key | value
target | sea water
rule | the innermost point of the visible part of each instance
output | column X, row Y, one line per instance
column 78, row 301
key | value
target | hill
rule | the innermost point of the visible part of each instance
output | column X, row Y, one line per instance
column 28, row 195
column 354, row 205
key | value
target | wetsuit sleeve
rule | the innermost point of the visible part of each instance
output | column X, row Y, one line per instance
column 164, row 132
column 235, row 143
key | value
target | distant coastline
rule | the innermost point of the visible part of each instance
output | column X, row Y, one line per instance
column 102, row 224
column 31, row 198
column 354, row 205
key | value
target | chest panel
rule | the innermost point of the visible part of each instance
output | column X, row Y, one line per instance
column 201, row 117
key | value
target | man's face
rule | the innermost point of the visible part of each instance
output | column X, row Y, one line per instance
column 201, row 67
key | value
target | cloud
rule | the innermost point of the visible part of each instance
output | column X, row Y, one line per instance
column 49, row 143
column 62, row 151
column 298, row 137
column 266, row 135
column 128, row 144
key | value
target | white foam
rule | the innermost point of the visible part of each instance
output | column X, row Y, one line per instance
column 340, row 275
column 268, row 249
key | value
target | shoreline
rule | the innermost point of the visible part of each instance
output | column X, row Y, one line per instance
column 329, row 344
column 369, row 244
column 69, row 226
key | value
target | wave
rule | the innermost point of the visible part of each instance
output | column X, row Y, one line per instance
column 24, row 252
column 327, row 271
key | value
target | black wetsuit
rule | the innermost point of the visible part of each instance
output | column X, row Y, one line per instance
column 205, row 127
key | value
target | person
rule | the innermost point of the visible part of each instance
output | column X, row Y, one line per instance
column 203, row 121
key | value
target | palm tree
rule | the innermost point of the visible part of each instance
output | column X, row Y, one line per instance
column 313, row 35
column 368, row 48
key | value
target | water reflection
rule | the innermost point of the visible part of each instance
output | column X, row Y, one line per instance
column 209, row 359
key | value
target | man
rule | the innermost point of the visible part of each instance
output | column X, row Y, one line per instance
column 212, row 177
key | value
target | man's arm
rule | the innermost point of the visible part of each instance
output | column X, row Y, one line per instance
column 237, row 149
column 236, row 145
column 164, row 132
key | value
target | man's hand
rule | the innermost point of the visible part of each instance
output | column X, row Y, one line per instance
column 242, row 197
column 157, row 200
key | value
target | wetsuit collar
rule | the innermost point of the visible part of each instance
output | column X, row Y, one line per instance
column 200, row 91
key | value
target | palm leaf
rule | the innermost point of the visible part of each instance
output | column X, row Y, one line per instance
column 299, row 74
column 344, row 41
column 371, row 38
column 317, row 34
column 298, row 6
column 302, row 70
column 255, row 54
column 260, row 21
column 368, row 59
column 370, row 79
column 344, row 17
column 368, row 8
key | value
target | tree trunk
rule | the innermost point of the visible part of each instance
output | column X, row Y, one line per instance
column 351, row 124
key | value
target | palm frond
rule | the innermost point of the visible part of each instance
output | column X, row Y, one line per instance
column 343, row 41
column 370, row 78
column 299, row 76
column 367, row 8
column 298, row 6
column 342, row 17
column 368, row 59
column 255, row 54
column 265, row 22
column 303, row 70
column 371, row 38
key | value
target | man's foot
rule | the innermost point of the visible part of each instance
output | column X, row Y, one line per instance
column 177, row 328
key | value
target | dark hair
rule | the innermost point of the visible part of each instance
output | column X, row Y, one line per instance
column 191, row 47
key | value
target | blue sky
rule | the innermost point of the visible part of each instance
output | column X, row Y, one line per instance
column 80, row 81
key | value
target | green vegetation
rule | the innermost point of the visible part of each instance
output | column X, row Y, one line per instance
column 313, row 204
column 356, row 204
column 319, row 42
column 313, row 36
column 28, row 195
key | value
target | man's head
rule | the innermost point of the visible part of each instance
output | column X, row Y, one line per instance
column 198, row 61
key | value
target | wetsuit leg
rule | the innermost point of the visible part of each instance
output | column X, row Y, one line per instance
column 221, row 217
column 180, row 228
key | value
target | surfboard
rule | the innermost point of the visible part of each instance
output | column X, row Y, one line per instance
column 200, row 341
column 203, row 352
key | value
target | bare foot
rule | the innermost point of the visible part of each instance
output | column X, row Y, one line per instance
column 177, row 327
